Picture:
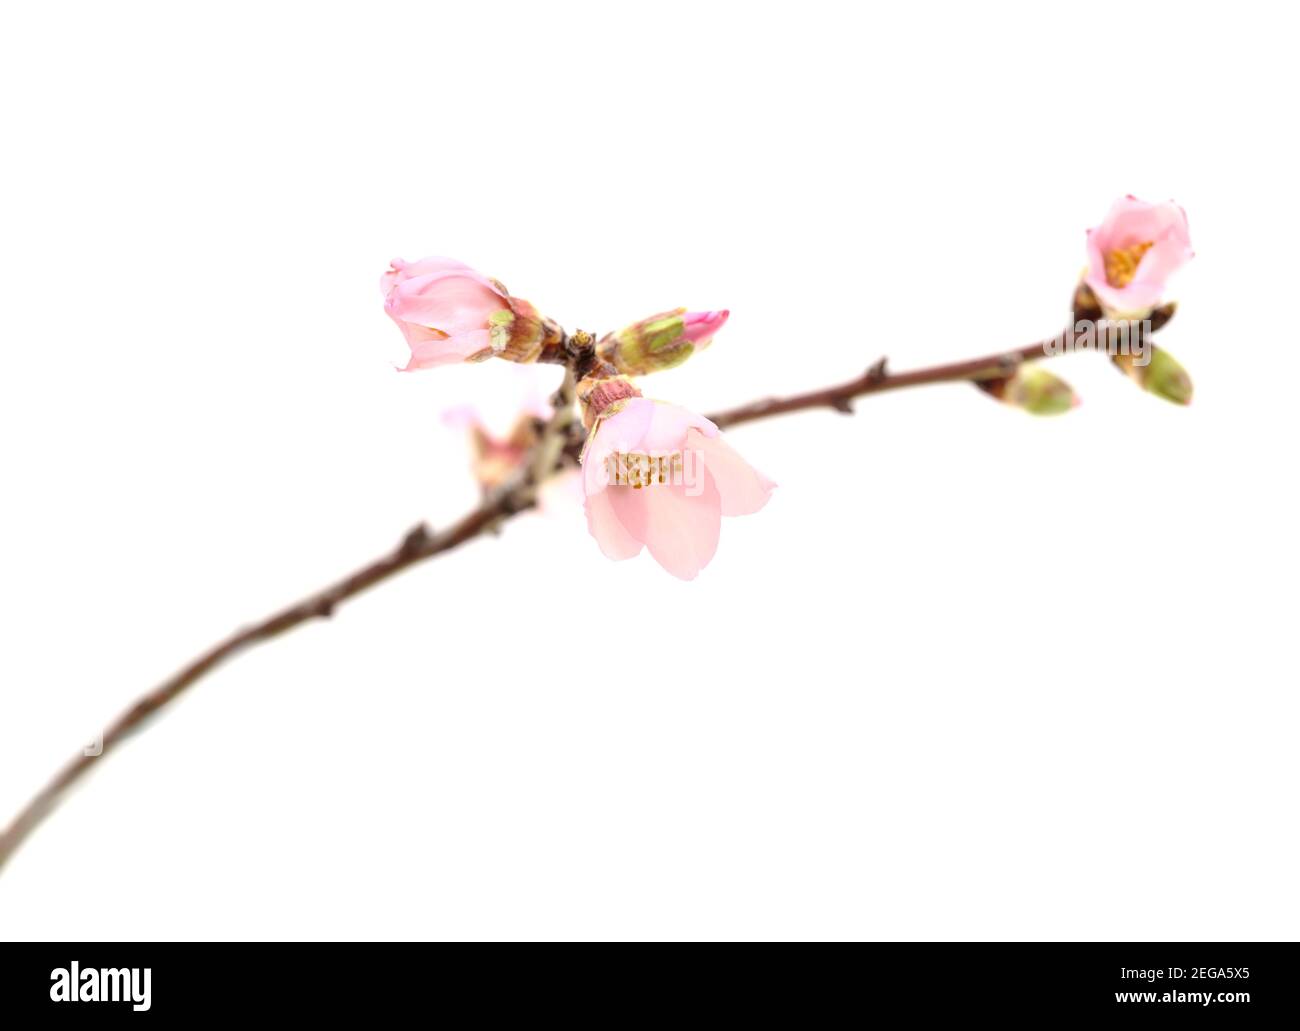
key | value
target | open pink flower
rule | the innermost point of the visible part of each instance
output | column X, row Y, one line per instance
column 661, row 477
column 1132, row 254
column 450, row 313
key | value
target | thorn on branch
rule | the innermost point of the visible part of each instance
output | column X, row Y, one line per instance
column 842, row 404
column 415, row 540
column 877, row 372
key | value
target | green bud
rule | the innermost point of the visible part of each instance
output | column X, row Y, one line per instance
column 651, row 345
column 1161, row 375
column 660, row 342
column 1166, row 378
column 1032, row 389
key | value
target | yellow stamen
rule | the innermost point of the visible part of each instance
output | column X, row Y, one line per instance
column 636, row 469
column 1122, row 264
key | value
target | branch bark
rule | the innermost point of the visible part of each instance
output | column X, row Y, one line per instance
column 421, row 544
column 877, row 380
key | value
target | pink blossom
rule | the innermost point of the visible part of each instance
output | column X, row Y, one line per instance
column 661, row 477
column 450, row 313
column 1134, row 251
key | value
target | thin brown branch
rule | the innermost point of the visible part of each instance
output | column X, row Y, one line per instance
column 421, row 544
column 418, row 545
column 877, row 380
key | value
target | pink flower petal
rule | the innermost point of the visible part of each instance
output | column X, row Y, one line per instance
column 433, row 350
column 454, row 302
column 1131, row 221
column 700, row 326
column 410, row 269
column 668, row 427
column 604, row 524
column 680, row 531
column 742, row 488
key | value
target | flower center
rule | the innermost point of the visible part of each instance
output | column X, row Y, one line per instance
column 636, row 469
column 1122, row 263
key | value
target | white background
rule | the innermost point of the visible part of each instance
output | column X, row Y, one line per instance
column 969, row 675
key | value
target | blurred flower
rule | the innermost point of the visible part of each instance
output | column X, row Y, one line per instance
column 1133, row 253
column 450, row 313
column 505, row 421
column 1033, row 389
column 661, row 341
column 1162, row 375
column 494, row 459
column 659, row 476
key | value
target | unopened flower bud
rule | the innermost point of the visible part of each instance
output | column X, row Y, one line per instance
column 450, row 313
column 1033, row 389
column 1160, row 374
column 660, row 342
